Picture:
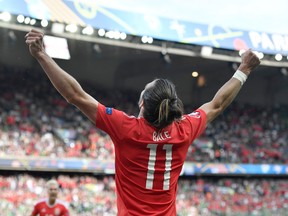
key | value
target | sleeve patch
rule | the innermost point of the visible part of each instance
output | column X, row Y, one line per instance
column 108, row 110
column 195, row 114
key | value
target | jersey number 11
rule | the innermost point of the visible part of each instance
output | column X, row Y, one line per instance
column 151, row 165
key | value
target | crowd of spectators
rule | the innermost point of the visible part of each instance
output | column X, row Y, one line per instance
column 90, row 195
column 36, row 121
column 245, row 134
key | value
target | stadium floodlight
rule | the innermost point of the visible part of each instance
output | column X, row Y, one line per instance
column 123, row 36
column 71, row 28
column 44, row 23
column 27, row 20
column 260, row 55
column 117, row 35
column 20, row 18
column 88, row 30
column 112, row 34
column 206, row 51
column 144, row 39
column 278, row 57
column 195, row 74
column 109, row 34
column 32, row 22
column 5, row 16
column 147, row 39
column 101, row 32
column 150, row 40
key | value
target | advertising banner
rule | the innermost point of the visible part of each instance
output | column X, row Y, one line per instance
column 191, row 22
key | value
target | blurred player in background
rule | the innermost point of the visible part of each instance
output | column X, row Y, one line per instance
column 51, row 206
column 149, row 149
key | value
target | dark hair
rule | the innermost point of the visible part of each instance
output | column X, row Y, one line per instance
column 161, row 104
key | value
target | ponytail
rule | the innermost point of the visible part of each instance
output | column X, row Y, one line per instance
column 161, row 104
column 163, row 110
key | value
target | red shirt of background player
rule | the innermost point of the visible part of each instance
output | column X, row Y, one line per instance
column 148, row 163
column 42, row 208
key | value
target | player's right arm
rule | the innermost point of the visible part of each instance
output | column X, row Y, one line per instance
column 65, row 84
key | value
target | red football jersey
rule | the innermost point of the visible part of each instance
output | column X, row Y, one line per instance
column 148, row 163
column 42, row 208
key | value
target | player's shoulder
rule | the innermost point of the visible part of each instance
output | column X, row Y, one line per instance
column 190, row 119
column 195, row 115
column 114, row 113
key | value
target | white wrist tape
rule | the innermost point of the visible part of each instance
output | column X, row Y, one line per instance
column 240, row 76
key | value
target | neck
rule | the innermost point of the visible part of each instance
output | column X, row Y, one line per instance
column 51, row 201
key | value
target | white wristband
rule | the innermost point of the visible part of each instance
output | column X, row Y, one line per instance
column 240, row 76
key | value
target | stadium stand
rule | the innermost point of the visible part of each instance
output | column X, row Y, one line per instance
column 36, row 121
column 90, row 195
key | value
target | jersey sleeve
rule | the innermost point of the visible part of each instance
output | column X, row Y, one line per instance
column 109, row 120
column 198, row 122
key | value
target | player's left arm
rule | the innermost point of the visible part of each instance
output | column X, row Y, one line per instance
column 230, row 89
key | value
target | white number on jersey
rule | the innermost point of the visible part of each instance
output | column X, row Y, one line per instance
column 151, row 165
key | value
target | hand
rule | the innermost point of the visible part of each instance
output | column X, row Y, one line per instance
column 249, row 62
column 34, row 39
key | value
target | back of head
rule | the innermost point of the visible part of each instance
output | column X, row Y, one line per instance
column 162, row 106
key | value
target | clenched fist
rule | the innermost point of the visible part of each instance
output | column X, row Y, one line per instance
column 34, row 39
column 249, row 62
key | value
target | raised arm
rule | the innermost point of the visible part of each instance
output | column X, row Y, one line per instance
column 65, row 84
column 226, row 94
